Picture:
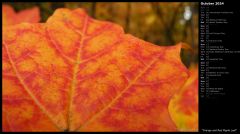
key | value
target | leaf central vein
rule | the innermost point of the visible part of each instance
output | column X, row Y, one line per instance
column 74, row 78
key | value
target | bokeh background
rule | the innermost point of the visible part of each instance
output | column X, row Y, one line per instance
column 161, row 23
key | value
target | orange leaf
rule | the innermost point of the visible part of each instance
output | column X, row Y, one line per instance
column 10, row 17
column 184, row 105
column 75, row 73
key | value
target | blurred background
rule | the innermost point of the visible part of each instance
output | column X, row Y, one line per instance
column 161, row 23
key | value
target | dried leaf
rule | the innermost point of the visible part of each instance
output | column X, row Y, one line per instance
column 75, row 73
column 10, row 17
column 184, row 105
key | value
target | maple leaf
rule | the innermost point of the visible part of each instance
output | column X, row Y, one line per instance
column 10, row 17
column 75, row 73
column 183, row 107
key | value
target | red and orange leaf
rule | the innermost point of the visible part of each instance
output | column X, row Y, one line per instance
column 75, row 73
column 184, row 105
column 10, row 17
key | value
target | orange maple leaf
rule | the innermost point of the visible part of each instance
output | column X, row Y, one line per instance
column 183, row 106
column 75, row 73
column 10, row 17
